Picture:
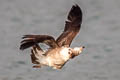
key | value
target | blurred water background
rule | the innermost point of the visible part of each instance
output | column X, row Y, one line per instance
column 100, row 34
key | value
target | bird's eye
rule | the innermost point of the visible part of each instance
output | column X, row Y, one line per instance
column 69, row 52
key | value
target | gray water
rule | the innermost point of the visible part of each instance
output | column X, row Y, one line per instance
column 100, row 34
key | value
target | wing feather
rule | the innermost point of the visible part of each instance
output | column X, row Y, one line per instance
column 72, row 26
column 30, row 40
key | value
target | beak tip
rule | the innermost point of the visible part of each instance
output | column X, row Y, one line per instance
column 83, row 47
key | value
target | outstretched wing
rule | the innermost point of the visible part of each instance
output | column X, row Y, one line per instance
column 30, row 40
column 72, row 26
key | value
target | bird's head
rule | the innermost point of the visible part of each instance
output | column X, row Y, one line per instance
column 75, row 51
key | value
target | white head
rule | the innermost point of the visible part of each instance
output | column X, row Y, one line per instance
column 68, row 53
column 76, row 51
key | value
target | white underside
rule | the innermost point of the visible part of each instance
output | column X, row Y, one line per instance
column 64, row 53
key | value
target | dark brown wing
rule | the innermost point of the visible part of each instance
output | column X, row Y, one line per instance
column 30, row 40
column 72, row 26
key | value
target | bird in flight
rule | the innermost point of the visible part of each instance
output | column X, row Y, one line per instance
column 59, row 51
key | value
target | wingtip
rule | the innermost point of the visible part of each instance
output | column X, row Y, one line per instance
column 75, row 5
column 24, row 36
column 75, row 15
column 75, row 11
column 21, row 47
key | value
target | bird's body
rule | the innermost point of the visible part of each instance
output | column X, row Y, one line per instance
column 55, row 58
column 59, row 52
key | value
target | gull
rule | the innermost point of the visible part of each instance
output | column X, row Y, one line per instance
column 59, row 51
